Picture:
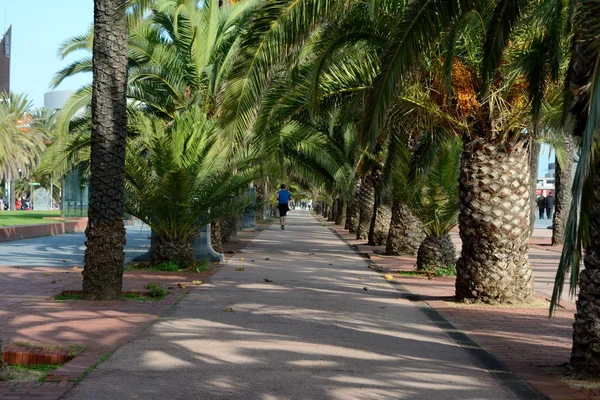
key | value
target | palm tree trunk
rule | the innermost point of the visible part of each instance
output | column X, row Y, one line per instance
column 366, row 204
column 176, row 251
column 352, row 209
column 534, row 163
column 563, row 182
column 436, row 252
column 340, row 216
column 216, row 236
column 105, row 232
column 13, row 198
column 406, row 231
column 333, row 211
column 380, row 224
column 260, row 202
column 494, row 225
column 585, row 353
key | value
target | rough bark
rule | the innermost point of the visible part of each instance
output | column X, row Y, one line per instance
column 340, row 216
column 380, row 225
column 333, row 211
column 406, row 231
column 104, row 256
column 181, row 253
column 534, row 164
column 352, row 209
column 216, row 236
column 585, row 353
column 436, row 252
column 366, row 202
column 563, row 182
column 494, row 225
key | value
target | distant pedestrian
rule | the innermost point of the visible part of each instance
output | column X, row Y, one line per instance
column 541, row 203
column 283, row 198
column 549, row 205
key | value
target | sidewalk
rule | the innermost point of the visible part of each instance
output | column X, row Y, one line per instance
column 304, row 319
column 522, row 337
column 29, row 314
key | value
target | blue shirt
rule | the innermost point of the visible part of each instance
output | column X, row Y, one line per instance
column 284, row 196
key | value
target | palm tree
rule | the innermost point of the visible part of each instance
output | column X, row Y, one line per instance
column 583, row 226
column 105, row 233
column 436, row 205
column 186, row 164
column 21, row 143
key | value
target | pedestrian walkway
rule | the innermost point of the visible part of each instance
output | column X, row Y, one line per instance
column 296, row 315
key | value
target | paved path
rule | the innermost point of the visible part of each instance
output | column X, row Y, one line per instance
column 65, row 250
column 314, row 332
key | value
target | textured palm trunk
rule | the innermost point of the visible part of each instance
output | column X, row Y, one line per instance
column 13, row 198
column 436, row 252
column 380, row 225
column 366, row 202
column 216, row 236
column 585, row 353
column 261, row 198
column 333, row 211
column 406, row 231
column 563, row 182
column 494, row 225
column 534, row 163
column 352, row 209
column 340, row 217
column 105, row 232
column 176, row 251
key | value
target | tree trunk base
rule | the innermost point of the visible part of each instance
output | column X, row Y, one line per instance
column 173, row 251
column 436, row 252
column 406, row 232
column 104, row 260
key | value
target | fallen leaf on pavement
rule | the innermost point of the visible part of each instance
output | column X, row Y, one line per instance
column 18, row 267
column 197, row 283
column 239, row 269
column 365, row 288
column 242, row 259
column 181, row 286
column 389, row 277
column 47, row 274
column 252, row 260
column 267, row 259
column 53, row 282
column 228, row 309
column 267, row 280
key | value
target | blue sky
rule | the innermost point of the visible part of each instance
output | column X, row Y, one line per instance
column 39, row 28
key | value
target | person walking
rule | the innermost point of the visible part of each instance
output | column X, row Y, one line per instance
column 541, row 203
column 549, row 205
column 283, row 197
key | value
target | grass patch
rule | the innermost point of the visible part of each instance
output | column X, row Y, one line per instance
column 73, row 350
column 27, row 373
column 171, row 266
column 17, row 218
column 157, row 291
column 155, row 294
column 449, row 270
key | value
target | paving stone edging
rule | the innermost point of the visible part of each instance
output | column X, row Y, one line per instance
column 513, row 382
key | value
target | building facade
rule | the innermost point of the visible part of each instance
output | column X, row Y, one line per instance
column 5, row 48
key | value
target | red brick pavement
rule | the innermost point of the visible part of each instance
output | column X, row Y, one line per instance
column 524, row 338
column 29, row 314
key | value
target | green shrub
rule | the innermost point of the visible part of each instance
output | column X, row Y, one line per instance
column 170, row 266
column 156, row 290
